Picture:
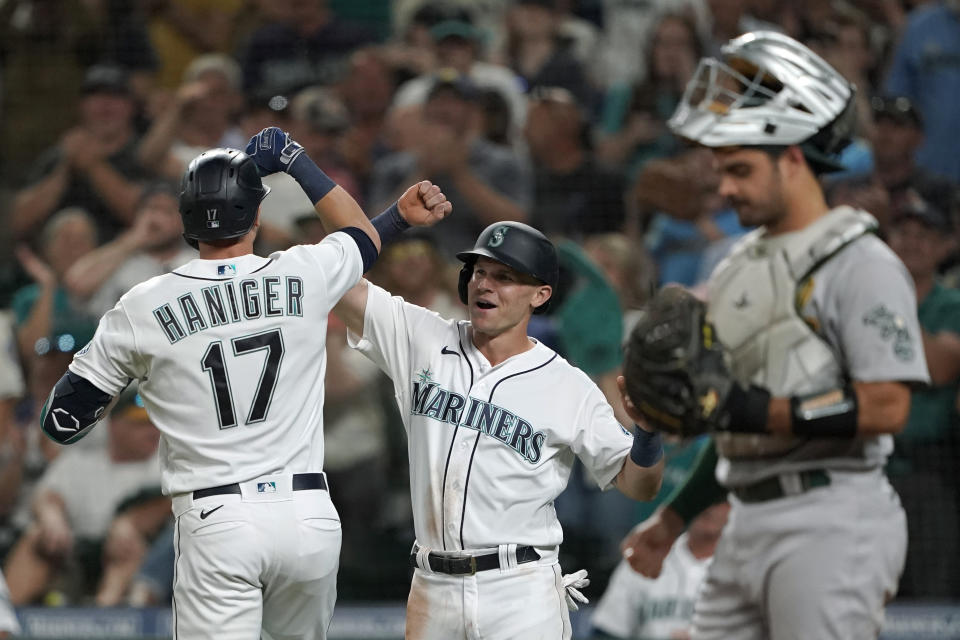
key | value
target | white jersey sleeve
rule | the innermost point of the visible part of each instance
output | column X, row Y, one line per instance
column 599, row 441
column 111, row 359
column 391, row 328
column 338, row 262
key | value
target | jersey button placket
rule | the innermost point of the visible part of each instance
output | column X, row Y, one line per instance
column 457, row 474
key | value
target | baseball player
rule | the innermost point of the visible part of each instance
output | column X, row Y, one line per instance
column 230, row 353
column 635, row 607
column 494, row 421
column 818, row 320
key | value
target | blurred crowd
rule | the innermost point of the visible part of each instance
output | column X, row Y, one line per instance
column 551, row 112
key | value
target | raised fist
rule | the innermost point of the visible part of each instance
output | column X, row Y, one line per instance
column 273, row 150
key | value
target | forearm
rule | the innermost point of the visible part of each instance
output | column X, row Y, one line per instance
column 153, row 149
column 353, row 306
column 699, row 490
column 147, row 517
column 35, row 203
column 489, row 205
column 49, row 506
column 942, row 351
column 90, row 272
column 859, row 409
column 117, row 192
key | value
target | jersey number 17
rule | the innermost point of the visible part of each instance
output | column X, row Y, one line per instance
column 214, row 364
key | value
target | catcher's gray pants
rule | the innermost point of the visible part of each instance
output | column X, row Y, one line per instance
column 816, row 566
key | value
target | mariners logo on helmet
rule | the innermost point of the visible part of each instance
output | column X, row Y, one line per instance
column 497, row 238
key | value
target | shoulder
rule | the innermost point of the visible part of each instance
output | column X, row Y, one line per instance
column 926, row 16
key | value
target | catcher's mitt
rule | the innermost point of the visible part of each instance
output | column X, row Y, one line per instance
column 675, row 368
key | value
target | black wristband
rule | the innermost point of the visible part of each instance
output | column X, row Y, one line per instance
column 390, row 224
column 747, row 409
column 830, row 414
column 647, row 447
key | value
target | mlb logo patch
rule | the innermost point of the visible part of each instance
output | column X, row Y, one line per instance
column 226, row 270
column 266, row 487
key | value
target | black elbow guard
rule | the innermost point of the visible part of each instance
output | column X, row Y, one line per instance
column 74, row 406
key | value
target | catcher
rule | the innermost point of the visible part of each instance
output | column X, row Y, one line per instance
column 799, row 364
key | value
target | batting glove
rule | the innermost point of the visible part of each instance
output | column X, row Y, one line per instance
column 273, row 150
column 572, row 583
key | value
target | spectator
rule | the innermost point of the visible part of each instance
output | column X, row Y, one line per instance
column 574, row 197
column 924, row 70
column 637, row 608
column 367, row 91
column 308, row 48
column 46, row 317
column 898, row 134
column 923, row 466
column 458, row 46
column 413, row 268
column 95, row 507
column 488, row 183
column 153, row 246
column 318, row 120
column 45, row 45
column 690, row 228
column 183, row 30
column 633, row 127
column 8, row 617
column 630, row 270
column 202, row 116
column 11, row 450
column 628, row 28
column 538, row 55
column 355, row 455
column 94, row 166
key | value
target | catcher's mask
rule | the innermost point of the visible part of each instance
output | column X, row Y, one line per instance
column 220, row 195
column 520, row 247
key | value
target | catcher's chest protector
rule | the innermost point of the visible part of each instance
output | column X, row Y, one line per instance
column 754, row 302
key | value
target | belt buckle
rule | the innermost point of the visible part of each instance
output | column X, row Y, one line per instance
column 473, row 566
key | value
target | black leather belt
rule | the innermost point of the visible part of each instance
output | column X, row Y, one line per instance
column 301, row 482
column 773, row 489
column 467, row 566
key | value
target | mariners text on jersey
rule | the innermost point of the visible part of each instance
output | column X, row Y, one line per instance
column 227, row 302
column 431, row 401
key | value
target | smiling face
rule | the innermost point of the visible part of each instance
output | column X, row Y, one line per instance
column 501, row 298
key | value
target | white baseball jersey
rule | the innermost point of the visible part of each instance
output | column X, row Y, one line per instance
column 638, row 608
column 490, row 447
column 231, row 358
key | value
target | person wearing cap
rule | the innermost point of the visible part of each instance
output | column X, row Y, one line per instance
column 539, row 55
column 94, row 166
column 818, row 320
column 922, row 467
column 494, row 422
column 200, row 115
column 459, row 44
column 897, row 135
column 574, row 195
column 489, row 183
column 924, row 69
column 77, row 505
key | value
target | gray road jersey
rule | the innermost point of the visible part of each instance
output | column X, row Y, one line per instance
column 863, row 305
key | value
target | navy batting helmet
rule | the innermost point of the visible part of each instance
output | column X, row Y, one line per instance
column 518, row 246
column 220, row 194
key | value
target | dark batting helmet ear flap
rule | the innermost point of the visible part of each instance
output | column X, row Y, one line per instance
column 466, row 272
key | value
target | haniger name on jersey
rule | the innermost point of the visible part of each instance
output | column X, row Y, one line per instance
column 229, row 301
column 431, row 401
